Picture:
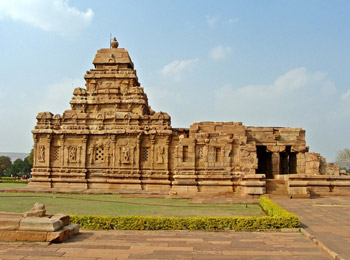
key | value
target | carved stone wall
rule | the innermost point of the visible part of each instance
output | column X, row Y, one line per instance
column 112, row 139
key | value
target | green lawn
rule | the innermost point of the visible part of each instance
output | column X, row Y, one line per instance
column 12, row 185
column 115, row 205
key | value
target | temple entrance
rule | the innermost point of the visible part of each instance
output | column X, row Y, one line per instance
column 264, row 161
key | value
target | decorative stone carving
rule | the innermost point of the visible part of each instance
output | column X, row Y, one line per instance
column 41, row 153
column 72, row 153
column 91, row 154
column 126, row 154
column 160, row 154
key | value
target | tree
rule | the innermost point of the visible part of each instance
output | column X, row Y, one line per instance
column 29, row 158
column 343, row 158
column 28, row 162
column 11, row 171
column 20, row 167
column 5, row 163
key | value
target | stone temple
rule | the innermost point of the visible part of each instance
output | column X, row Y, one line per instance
column 111, row 139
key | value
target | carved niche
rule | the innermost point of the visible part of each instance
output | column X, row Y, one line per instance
column 160, row 154
column 125, row 154
column 41, row 153
column 72, row 153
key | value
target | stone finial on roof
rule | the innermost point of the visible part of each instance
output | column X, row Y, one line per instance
column 114, row 43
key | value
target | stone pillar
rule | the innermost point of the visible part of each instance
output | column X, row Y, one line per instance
column 193, row 153
column 83, row 153
column 62, row 150
column 152, row 157
column 48, row 149
column 113, row 143
column 301, row 163
column 35, row 157
column 275, row 157
column 166, row 159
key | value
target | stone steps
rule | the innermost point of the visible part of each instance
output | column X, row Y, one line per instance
column 276, row 187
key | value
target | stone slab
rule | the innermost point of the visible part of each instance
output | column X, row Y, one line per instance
column 9, row 223
column 40, row 224
column 18, row 235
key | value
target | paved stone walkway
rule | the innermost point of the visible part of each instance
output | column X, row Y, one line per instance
column 147, row 245
column 326, row 218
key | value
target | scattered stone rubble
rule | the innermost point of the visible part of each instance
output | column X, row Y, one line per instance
column 36, row 226
column 111, row 139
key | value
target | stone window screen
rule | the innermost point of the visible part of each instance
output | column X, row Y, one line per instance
column 200, row 153
column 145, row 153
column 99, row 154
column 56, row 153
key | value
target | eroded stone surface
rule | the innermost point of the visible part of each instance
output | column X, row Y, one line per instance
column 63, row 218
column 40, row 224
column 38, row 210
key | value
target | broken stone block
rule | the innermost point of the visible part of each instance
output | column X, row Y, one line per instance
column 63, row 234
column 73, row 229
column 62, row 217
column 38, row 210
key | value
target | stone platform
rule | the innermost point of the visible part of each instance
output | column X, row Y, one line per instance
column 32, row 227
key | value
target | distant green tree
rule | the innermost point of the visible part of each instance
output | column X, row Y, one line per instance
column 343, row 159
column 5, row 163
column 11, row 171
column 20, row 167
column 29, row 158
column 28, row 162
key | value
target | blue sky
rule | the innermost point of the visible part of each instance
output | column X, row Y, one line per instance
column 264, row 63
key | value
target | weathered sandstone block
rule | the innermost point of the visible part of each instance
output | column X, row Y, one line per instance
column 40, row 224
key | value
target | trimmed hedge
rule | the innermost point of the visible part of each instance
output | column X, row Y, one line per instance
column 8, row 178
column 10, row 181
column 276, row 211
column 279, row 218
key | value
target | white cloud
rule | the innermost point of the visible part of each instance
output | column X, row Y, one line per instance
column 298, row 98
column 48, row 15
column 346, row 95
column 177, row 68
column 214, row 20
column 297, row 93
column 56, row 97
column 220, row 52
column 232, row 20
column 211, row 20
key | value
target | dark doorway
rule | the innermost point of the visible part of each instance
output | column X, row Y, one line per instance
column 288, row 161
column 284, row 158
column 292, row 163
column 264, row 161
